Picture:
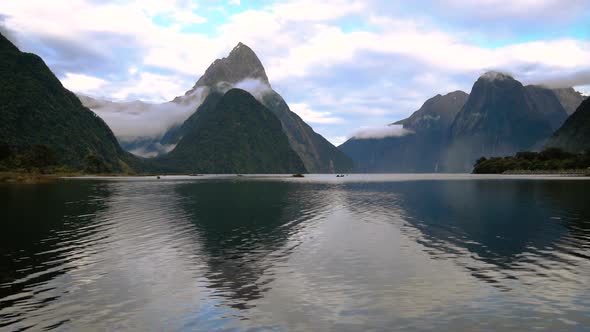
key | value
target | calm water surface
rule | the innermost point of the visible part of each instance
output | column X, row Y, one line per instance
column 380, row 252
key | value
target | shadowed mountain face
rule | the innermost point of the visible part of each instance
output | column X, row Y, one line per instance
column 37, row 110
column 422, row 151
column 242, row 69
column 501, row 117
column 574, row 135
column 546, row 102
column 437, row 113
column 233, row 133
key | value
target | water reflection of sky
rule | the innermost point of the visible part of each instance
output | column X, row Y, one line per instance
column 202, row 255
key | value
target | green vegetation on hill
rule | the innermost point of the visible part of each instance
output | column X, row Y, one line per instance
column 318, row 155
column 551, row 159
column 44, row 126
column 232, row 134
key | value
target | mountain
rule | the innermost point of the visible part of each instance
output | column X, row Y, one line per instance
column 437, row 114
column 45, row 124
column 574, row 135
column 546, row 102
column 569, row 98
column 501, row 117
column 242, row 69
column 241, row 63
column 140, row 126
column 424, row 150
column 233, row 133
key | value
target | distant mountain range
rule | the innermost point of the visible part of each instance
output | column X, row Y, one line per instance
column 499, row 117
column 232, row 121
column 422, row 150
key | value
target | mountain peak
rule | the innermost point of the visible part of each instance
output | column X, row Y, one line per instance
column 241, row 63
column 241, row 47
column 496, row 76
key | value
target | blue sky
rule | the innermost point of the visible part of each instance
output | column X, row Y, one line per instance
column 342, row 65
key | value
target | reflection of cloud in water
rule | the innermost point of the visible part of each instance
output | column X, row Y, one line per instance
column 519, row 237
column 298, row 254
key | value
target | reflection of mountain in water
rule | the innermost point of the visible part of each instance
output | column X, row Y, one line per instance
column 495, row 229
column 41, row 228
column 245, row 228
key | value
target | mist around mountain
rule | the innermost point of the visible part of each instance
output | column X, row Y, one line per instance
column 227, row 123
column 242, row 69
column 232, row 133
column 421, row 149
column 449, row 133
column 45, row 126
column 569, row 98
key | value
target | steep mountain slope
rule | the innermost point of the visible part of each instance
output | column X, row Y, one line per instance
column 422, row 151
column 233, row 133
column 569, row 98
column 437, row 114
column 546, row 102
column 242, row 69
column 574, row 135
column 500, row 117
column 36, row 110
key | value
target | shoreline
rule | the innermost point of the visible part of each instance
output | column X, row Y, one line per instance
column 39, row 178
column 565, row 173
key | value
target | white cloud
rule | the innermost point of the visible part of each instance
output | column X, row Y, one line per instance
column 155, row 88
column 82, row 83
column 305, row 47
column 380, row 132
column 136, row 119
column 523, row 9
column 311, row 116
column 337, row 140
column 255, row 87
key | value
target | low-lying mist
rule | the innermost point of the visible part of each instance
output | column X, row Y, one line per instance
column 137, row 120
column 380, row 132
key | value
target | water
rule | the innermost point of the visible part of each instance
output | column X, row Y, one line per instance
column 380, row 252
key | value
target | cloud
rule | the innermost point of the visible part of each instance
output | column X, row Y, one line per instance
column 159, row 149
column 366, row 63
column 133, row 120
column 337, row 140
column 380, row 132
column 311, row 116
column 83, row 83
column 563, row 80
column 255, row 87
